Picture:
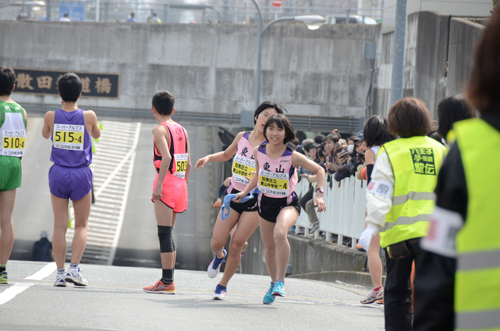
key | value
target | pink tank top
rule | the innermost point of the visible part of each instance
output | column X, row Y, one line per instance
column 243, row 164
column 177, row 148
column 277, row 177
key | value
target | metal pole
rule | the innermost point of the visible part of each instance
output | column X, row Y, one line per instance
column 47, row 15
column 398, row 57
column 97, row 9
column 259, row 52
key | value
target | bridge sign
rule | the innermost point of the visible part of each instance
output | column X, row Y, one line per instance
column 277, row 3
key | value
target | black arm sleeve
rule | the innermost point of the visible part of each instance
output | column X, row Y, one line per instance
column 369, row 170
column 221, row 191
column 435, row 274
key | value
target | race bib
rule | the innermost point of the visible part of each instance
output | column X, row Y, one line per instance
column 181, row 161
column 13, row 142
column 443, row 229
column 275, row 183
column 241, row 168
column 68, row 136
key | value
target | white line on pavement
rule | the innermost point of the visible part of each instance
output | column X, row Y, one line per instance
column 18, row 288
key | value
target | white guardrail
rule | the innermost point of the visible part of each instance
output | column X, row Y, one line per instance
column 345, row 210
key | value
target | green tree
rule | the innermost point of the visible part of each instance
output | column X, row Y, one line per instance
column 495, row 3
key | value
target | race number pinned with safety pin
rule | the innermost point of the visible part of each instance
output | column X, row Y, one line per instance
column 68, row 136
column 13, row 142
column 242, row 168
column 274, row 182
column 181, row 161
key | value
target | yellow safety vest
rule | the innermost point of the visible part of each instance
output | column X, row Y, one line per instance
column 415, row 163
column 477, row 280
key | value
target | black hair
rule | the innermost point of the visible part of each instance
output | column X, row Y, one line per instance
column 301, row 135
column 163, row 102
column 306, row 144
column 375, row 131
column 132, row 14
column 7, row 80
column 265, row 105
column 319, row 138
column 314, row 146
column 70, row 87
column 436, row 136
column 451, row 110
column 332, row 137
column 283, row 123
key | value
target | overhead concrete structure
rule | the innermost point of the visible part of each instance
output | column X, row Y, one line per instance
column 208, row 67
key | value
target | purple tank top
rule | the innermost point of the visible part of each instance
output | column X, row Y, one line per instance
column 277, row 177
column 71, row 144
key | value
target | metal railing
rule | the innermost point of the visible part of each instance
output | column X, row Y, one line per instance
column 345, row 211
column 176, row 11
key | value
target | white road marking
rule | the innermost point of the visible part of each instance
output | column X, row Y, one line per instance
column 18, row 288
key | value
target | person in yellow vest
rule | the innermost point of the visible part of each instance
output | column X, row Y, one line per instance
column 400, row 200
column 459, row 288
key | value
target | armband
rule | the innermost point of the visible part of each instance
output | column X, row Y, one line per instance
column 381, row 188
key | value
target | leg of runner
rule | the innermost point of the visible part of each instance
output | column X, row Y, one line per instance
column 7, row 200
column 286, row 219
column 82, row 212
column 220, row 234
column 165, row 217
column 60, row 208
column 375, row 266
column 267, row 235
column 247, row 225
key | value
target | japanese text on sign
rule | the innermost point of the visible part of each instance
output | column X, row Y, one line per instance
column 423, row 161
column 41, row 81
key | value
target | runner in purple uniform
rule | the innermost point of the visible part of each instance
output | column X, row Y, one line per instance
column 70, row 129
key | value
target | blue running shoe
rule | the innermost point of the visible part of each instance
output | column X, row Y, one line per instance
column 279, row 288
column 269, row 298
column 214, row 266
column 219, row 293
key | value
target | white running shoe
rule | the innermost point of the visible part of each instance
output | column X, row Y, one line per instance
column 214, row 266
column 60, row 282
column 75, row 276
column 219, row 293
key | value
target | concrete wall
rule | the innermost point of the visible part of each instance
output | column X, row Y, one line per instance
column 463, row 36
column 438, row 57
column 209, row 68
column 467, row 8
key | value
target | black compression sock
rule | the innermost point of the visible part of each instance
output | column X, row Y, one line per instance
column 168, row 276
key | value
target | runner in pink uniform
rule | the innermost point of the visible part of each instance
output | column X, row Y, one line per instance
column 278, row 204
column 244, row 214
column 173, row 164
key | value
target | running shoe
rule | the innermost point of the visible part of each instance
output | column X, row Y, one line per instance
column 269, row 298
column 374, row 296
column 314, row 228
column 75, row 276
column 60, row 282
column 161, row 288
column 4, row 279
column 214, row 266
column 219, row 293
column 279, row 288
column 380, row 302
